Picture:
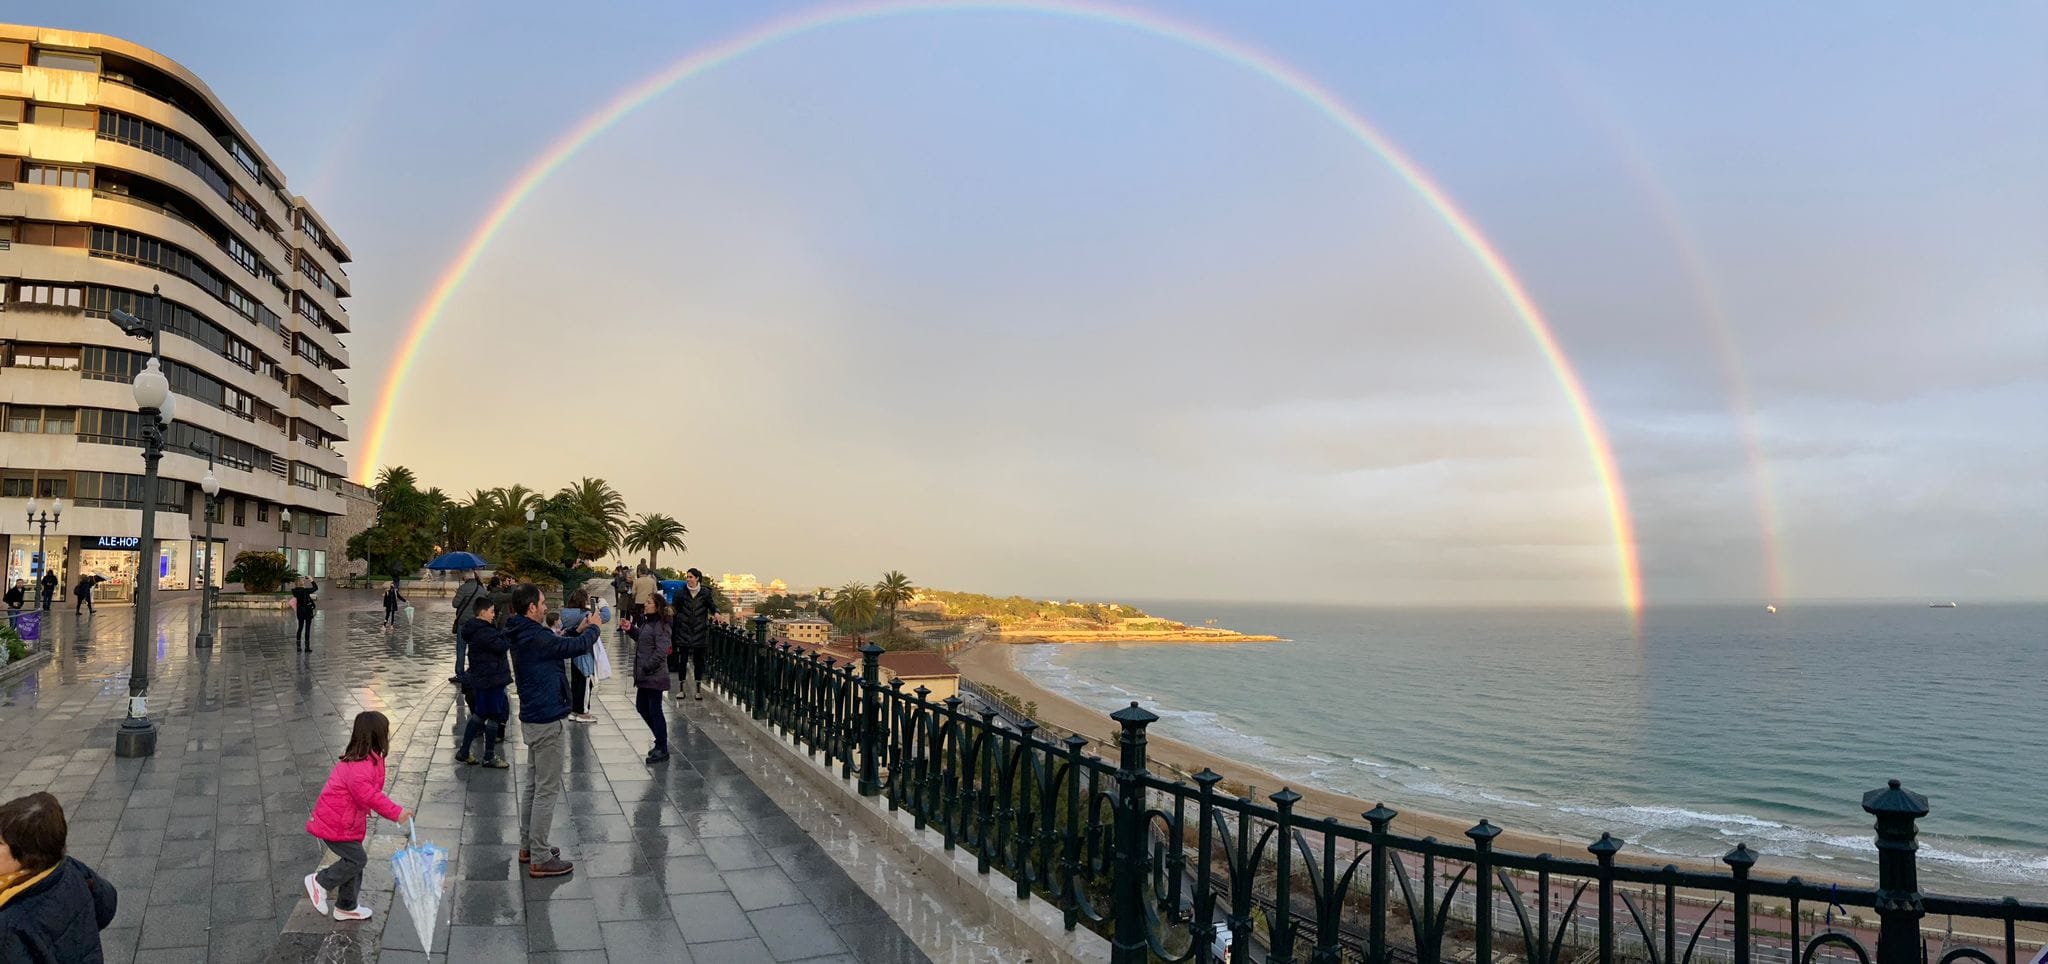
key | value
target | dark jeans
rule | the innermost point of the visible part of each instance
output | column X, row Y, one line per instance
column 690, row 660
column 47, row 597
column 390, row 615
column 579, row 689
column 84, row 603
column 344, row 877
column 648, row 702
column 305, row 631
column 493, row 708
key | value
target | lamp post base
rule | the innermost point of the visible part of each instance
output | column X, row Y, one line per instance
column 136, row 738
column 203, row 640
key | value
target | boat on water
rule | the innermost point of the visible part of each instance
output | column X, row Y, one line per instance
column 1772, row 610
column 1946, row 605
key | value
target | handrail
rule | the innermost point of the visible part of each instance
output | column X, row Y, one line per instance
column 1155, row 863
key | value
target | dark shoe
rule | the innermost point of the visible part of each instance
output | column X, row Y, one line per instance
column 552, row 867
column 657, row 754
column 552, row 852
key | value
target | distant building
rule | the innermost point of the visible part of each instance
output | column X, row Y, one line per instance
column 915, row 669
column 738, row 582
column 806, row 630
column 777, row 587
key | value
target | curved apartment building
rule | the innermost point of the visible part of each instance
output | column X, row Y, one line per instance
column 121, row 172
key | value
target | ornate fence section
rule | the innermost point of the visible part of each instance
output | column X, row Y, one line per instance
column 1157, row 865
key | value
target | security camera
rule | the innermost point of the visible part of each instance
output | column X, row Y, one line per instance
column 133, row 326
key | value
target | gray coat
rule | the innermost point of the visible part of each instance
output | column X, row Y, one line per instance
column 650, row 655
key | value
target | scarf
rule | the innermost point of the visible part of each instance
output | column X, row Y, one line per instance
column 12, row 885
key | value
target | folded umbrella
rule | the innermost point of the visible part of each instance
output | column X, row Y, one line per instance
column 421, row 871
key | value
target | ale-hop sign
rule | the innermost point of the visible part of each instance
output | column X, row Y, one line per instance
column 130, row 543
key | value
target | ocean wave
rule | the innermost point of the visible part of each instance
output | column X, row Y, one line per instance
column 1671, row 818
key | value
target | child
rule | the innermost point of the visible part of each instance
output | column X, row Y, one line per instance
column 341, row 815
column 391, row 600
column 554, row 618
column 650, row 672
column 489, row 673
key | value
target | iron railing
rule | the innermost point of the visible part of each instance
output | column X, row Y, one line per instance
column 1154, row 863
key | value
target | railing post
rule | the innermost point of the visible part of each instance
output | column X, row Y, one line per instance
column 1482, row 907
column 1281, row 927
column 1739, row 861
column 1127, row 875
column 1898, row 877
column 1604, row 850
column 870, row 718
column 1379, row 817
column 759, row 650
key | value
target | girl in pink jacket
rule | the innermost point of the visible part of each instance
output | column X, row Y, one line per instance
column 341, row 816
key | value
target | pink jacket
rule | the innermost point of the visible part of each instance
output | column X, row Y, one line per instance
column 353, row 790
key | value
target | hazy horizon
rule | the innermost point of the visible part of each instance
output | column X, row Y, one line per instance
column 1013, row 298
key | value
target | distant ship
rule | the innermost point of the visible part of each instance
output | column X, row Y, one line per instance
column 1946, row 605
column 1773, row 610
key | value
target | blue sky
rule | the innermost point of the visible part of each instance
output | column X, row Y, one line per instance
column 1017, row 302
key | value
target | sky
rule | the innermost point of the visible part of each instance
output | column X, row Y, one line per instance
column 1021, row 302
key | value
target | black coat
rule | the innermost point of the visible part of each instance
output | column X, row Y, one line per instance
column 60, row 918
column 692, row 621
column 488, row 664
column 304, row 596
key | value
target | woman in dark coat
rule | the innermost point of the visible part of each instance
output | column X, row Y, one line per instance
column 651, row 643
column 695, row 606
column 52, row 908
column 302, row 605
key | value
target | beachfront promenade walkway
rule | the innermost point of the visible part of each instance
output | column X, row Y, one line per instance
column 687, row 860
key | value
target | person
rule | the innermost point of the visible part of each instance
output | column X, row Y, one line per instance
column 489, row 674
column 695, row 607
column 341, row 816
column 52, row 907
column 650, row 673
column 82, row 596
column 644, row 588
column 501, row 596
column 392, row 598
column 49, row 586
column 581, row 667
column 16, row 595
column 537, row 657
column 302, row 604
column 467, row 596
column 622, row 595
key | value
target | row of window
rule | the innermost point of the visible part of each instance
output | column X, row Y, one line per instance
column 46, row 295
column 136, row 132
column 317, row 275
column 99, row 302
column 38, row 420
column 112, row 364
column 125, row 245
column 120, row 490
column 56, row 175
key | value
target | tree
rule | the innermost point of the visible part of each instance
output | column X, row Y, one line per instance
column 261, row 571
column 894, row 590
column 853, row 607
column 653, row 532
column 407, row 527
column 597, row 501
column 776, row 606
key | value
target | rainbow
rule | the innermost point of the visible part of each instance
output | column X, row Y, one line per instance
column 820, row 18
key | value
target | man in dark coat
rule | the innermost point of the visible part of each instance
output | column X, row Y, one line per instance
column 537, row 657
column 49, row 586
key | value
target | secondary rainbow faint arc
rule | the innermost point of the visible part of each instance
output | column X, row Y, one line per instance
column 818, row 18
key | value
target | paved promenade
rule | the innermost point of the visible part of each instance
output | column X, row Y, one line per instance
column 682, row 861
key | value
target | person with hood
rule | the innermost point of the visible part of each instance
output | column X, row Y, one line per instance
column 49, row 586
column 695, row 608
column 302, row 606
column 537, row 657
column 489, row 673
column 650, row 672
column 83, row 592
column 52, row 907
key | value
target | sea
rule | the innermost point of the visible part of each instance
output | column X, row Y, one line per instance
column 1709, row 726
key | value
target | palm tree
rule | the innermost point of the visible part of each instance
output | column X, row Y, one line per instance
column 654, row 532
column 596, row 500
column 853, row 606
column 894, row 590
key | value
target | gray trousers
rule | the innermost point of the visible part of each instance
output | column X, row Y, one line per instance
column 344, row 877
column 544, row 783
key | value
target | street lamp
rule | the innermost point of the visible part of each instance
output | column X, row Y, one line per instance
column 137, row 736
column 284, row 518
column 42, row 522
column 211, row 486
column 529, row 532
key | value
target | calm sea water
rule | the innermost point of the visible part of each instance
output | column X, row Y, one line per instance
column 1715, row 725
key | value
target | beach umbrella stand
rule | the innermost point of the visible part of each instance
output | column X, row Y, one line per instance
column 421, row 870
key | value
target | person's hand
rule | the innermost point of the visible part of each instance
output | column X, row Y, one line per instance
column 402, row 815
column 589, row 620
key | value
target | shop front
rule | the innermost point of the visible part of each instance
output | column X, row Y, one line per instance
column 117, row 561
column 23, row 564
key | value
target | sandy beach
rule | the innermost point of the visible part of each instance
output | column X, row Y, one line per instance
column 994, row 664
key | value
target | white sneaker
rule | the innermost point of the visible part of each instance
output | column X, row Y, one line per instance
column 360, row 913
column 316, row 892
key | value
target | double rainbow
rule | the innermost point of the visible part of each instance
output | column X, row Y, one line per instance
column 816, row 19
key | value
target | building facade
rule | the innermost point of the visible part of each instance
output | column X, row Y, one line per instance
column 126, row 184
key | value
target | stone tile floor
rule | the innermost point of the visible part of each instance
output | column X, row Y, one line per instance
column 685, row 860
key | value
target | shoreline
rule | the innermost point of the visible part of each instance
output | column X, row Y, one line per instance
column 993, row 663
column 1056, row 636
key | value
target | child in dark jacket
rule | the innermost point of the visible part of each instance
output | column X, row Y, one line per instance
column 341, row 816
column 650, row 672
column 392, row 597
column 490, row 671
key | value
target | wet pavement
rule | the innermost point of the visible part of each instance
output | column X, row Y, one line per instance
column 684, row 860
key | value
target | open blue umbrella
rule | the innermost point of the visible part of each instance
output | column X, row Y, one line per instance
column 457, row 561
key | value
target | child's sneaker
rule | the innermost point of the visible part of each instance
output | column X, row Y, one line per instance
column 465, row 758
column 316, row 892
column 360, row 913
column 498, row 764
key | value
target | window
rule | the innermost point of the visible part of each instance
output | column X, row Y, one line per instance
column 305, row 476
column 262, row 511
column 58, row 60
column 49, row 296
column 56, row 175
column 319, row 563
column 48, row 115
column 320, row 526
column 62, row 357
column 13, row 54
column 241, row 508
column 25, row 484
column 12, row 111
column 110, row 427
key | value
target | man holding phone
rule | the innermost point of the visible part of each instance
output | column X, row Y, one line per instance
column 537, row 659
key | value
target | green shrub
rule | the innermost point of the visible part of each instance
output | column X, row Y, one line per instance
column 17, row 650
column 261, row 571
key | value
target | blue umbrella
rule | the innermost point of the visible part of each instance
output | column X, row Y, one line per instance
column 458, row 561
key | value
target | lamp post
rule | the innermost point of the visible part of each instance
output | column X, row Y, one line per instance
column 284, row 518
column 137, row 736
column 211, row 486
column 42, row 521
column 529, row 532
